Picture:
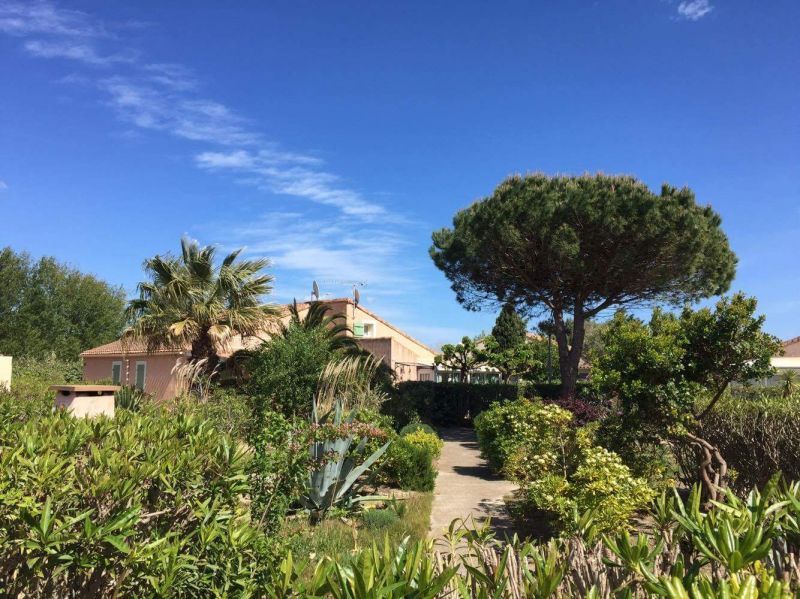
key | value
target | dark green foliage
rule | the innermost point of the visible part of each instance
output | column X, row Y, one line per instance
column 668, row 375
column 279, row 468
column 524, row 360
column 509, row 329
column 336, row 332
column 454, row 404
column 409, row 466
column 49, row 308
column 414, row 427
column 285, row 372
column 147, row 504
column 576, row 246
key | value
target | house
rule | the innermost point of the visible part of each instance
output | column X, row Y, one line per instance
column 128, row 362
column 788, row 362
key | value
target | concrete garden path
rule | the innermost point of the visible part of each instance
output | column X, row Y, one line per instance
column 466, row 486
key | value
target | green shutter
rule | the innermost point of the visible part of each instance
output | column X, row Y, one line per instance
column 358, row 329
column 140, row 373
column 116, row 373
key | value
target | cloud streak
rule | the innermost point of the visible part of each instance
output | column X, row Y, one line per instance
column 38, row 17
column 694, row 10
column 356, row 239
column 161, row 96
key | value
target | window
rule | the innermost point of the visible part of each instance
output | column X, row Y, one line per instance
column 358, row 329
column 116, row 373
column 369, row 329
column 425, row 376
column 141, row 374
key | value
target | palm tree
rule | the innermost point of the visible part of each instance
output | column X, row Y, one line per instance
column 189, row 301
column 335, row 330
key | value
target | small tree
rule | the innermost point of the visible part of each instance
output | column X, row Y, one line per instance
column 510, row 329
column 669, row 375
column 462, row 357
column 575, row 246
column 520, row 360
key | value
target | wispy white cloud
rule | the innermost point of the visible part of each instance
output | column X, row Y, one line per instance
column 161, row 96
column 694, row 10
column 3, row 185
column 82, row 52
column 40, row 17
column 151, row 107
column 291, row 174
column 171, row 75
column 352, row 238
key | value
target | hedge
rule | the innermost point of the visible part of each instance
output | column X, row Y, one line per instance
column 454, row 404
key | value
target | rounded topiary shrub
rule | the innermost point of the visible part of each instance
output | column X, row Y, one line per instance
column 416, row 426
column 410, row 466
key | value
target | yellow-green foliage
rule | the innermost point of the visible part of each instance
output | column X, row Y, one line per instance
column 559, row 468
column 430, row 441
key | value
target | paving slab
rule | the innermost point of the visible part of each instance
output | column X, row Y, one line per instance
column 466, row 486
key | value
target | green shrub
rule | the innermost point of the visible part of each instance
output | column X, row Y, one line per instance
column 430, row 441
column 414, row 427
column 558, row 467
column 279, row 468
column 31, row 377
column 506, row 425
column 131, row 398
column 149, row 503
column 230, row 410
column 409, row 466
column 284, row 372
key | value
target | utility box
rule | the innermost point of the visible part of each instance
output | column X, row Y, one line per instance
column 86, row 400
column 5, row 372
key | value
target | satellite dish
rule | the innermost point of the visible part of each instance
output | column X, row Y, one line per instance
column 315, row 291
column 356, row 295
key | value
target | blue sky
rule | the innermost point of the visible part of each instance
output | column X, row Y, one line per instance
column 333, row 137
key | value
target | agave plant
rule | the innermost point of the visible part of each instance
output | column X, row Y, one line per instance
column 130, row 398
column 334, row 479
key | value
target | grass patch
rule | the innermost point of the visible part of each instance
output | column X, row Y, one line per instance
column 336, row 537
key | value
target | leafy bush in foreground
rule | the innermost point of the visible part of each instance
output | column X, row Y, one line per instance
column 430, row 441
column 146, row 504
column 559, row 469
column 740, row 548
column 409, row 465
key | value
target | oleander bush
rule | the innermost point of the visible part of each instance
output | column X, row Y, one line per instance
column 147, row 504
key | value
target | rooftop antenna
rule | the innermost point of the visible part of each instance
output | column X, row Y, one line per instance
column 315, row 291
column 356, row 295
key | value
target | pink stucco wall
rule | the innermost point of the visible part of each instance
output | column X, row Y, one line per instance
column 159, row 381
